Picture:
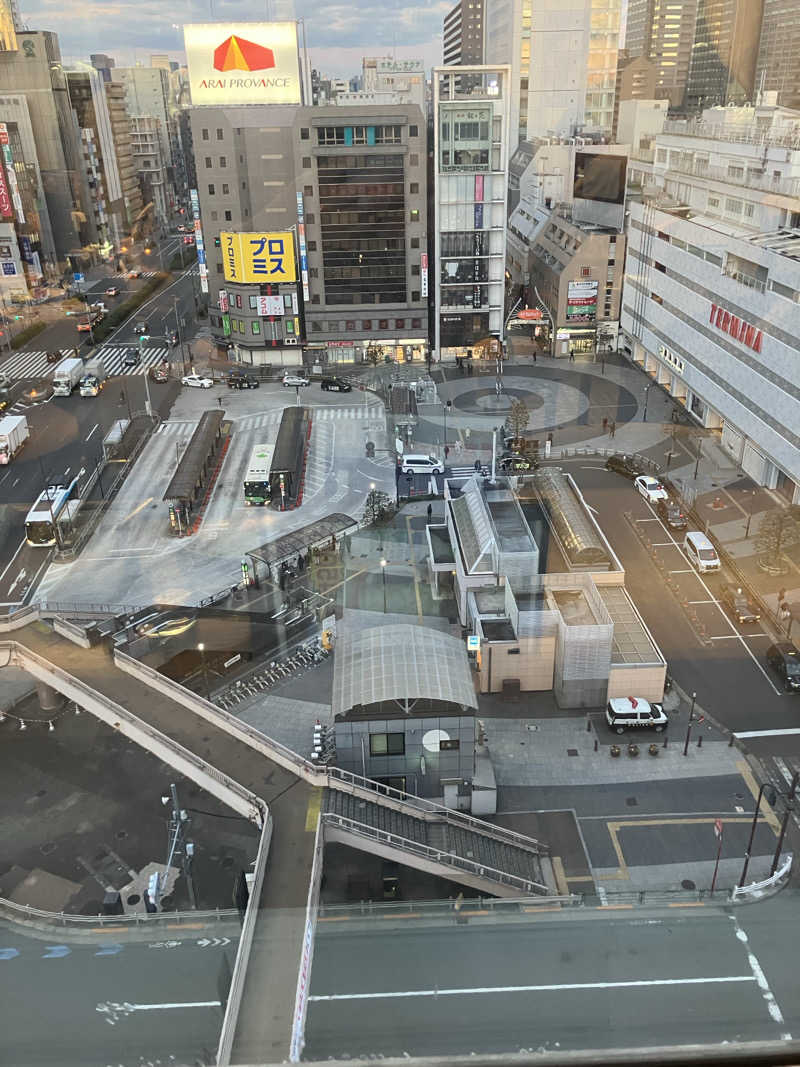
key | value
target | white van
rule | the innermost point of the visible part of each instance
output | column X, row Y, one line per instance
column 701, row 552
column 421, row 464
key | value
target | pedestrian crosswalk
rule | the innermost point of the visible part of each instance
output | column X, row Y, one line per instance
column 193, row 272
column 322, row 413
column 34, row 364
column 462, row 472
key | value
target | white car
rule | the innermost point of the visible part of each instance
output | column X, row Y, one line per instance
column 295, row 380
column 651, row 488
column 197, row 380
column 623, row 713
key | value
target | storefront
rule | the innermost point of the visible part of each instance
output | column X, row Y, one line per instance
column 392, row 350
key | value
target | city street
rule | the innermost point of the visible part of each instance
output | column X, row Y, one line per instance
column 88, row 1002
column 636, row 978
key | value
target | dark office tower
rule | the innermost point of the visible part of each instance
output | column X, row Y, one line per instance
column 665, row 33
column 778, row 65
column 723, row 64
column 462, row 43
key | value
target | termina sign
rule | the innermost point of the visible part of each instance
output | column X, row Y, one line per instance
column 737, row 328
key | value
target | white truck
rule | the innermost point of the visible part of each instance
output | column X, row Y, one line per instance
column 94, row 378
column 67, row 375
column 14, row 433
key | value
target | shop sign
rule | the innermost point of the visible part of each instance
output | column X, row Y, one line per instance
column 739, row 329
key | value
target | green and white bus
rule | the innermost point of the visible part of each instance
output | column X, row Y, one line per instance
column 256, row 481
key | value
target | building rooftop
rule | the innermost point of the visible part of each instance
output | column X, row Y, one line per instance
column 632, row 642
column 784, row 242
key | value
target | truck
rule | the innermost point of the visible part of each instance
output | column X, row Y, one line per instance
column 14, row 433
column 94, row 377
column 67, row 375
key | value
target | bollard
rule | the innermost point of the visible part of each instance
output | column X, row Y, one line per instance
column 595, row 744
column 700, row 741
column 730, row 743
column 665, row 741
column 588, row 725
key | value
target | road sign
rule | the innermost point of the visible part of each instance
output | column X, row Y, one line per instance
column 77, row 278
column 473, row 643
column 529, row 313
column 718, row 828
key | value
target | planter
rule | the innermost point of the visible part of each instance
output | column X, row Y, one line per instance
column 615, row 750
column 653, row 750
column 633, row 750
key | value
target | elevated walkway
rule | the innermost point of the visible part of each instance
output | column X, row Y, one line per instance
column 486, row 857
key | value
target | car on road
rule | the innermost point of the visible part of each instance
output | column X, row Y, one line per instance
column 784, row 658
column 38, row 391
column 625, row 713
column 297, row 380
column 172, row 626
column 141, row 327
column 54, row 357
column 112, row 291
column 134, row 273
column 421, row 464
column 672, row 514
column 650, row 488
column 738, row 604
column 188, row 239
column 243, row 381
column 131, row 358
column 86, row 322
column 517, row 463
column 159, row 373
column 624, row 465
column 197, row 381
column 338, row 385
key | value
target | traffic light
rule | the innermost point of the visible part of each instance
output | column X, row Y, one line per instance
column 245, row 572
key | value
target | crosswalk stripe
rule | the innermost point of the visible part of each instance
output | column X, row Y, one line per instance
column 31, row 364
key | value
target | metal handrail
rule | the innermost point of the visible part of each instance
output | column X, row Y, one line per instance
column 448, row 859
column 26, row 912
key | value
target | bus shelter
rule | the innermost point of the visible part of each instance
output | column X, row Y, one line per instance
column 328, row 532
column 187, row 487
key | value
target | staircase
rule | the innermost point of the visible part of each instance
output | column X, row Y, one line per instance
column 485, row 857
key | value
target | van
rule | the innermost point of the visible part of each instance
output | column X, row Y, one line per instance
column 701, row 552
column 421, row 464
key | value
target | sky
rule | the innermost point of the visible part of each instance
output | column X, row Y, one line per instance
column 339, row 34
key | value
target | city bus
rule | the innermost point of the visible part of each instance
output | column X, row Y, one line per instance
column 55, row 508
column 256, row 480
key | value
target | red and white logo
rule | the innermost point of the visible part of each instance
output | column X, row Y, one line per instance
column 236, row 53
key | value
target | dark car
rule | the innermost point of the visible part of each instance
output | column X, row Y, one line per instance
column 623, row 465
column 158, row 374
column 131, row 358
column 784, row 659
column 739, row 604
column 243, row 381
column 672, row 514
column 54, row 357
column 339, row 385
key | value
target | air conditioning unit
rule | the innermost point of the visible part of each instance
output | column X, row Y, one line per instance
column 290, row 340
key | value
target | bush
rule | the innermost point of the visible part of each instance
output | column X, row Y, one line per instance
column 120, row 313
column 26, row 334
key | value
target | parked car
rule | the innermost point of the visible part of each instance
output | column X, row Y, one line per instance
column 339, row 385
column 198, row 381
column 650, row 488
column 517, row 463
column 243, row 381
column 672, row 514
column 739, row 604
column 112, row 291
column 297, row 380
column 131, row 358
column 623, row 465
column 624, row 713
column 159, row 373
column 784, row 658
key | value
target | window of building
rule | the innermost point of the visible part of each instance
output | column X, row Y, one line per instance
column 255, row 326
column 314, row 272
column 414, row 188
column 315, row 299
column 238, row 300
column 586, row 272
column 287, row 303
column 415, row 242
column 413, row 160
column 219, row 268
column 713, row 201
column 311, row 218
column 399, row 324
column 312, row 246
column 414, row 214
column 308, row 190
column 655, row 297
column 748, row 210
column 416, row 324
column 661, row 155
column 228, row 216
column 211, row 190
column 246, row 212
column 316, row 327
column 349, row 324
column 413, row 131
column 244, row 185
column 660, row 267
column 304, row 133
column 366, row 324
column 204, row 134
column 241, row 158
column 214, row 216
column 208, row 161
column 414, row 296
column 732, row 206
column 253, row 301
column 220, row 134
column 383, row 324
column 223, row 161
column 226, row 189
column 306, row 162
column 387, row 744
column 415, row 268
column 452, row 743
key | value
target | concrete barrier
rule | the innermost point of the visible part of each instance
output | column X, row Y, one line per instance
column 73, row 633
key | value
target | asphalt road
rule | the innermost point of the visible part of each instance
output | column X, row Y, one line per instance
column 575, row 980
column 97, row 1001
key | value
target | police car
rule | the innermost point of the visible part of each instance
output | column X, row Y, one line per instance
column 623, row 713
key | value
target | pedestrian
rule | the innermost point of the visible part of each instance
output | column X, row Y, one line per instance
column 781, row 596
column 534, row 353
column 605, row 423
column 219, row 401
column 613, row 428
column 469, row 369
column 446, row 452
column 430, row 512
column 572, row 355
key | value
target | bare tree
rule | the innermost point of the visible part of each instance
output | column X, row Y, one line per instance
column 779, row 530
column 518, row 418
column 377, row 505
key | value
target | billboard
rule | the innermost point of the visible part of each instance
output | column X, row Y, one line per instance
column 600, row 177
column 258, row 257
column 582, row 301
column 243, row 63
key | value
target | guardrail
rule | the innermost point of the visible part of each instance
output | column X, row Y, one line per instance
column 14, row 912
column 236, row 991
column 751, row 890
column 48, row 608
column 435, row 855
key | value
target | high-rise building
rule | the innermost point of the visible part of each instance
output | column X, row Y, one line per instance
column 778, row 64
column 126, row 165
column 723, row 61
column 462, row 43
column 472, row 146
column 563, row 59
column 102, row 63
column 636, row 80
column 665, row 33
column 146, row 146
column 147, row 91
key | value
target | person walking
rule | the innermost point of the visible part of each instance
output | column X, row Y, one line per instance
column 572, row 355
column 430, row 512
column 534, row 353
column 613, row 428
column 446, row 452
column 605, row 423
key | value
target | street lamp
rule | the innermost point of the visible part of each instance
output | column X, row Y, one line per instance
column 383, row 576
column 201, row 648
column 447, row 406
column 771, row 795
column 646, row 398
column 689, row 725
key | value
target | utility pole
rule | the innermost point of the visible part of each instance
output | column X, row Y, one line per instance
column 180, row 335
column 178, row 845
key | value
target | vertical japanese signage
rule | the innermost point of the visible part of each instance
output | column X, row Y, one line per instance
column 258, row 257
column 223, row 300
column 301, row 240
column 198, row 240
column 11, row 175
column 423, row 271
column 479, row 188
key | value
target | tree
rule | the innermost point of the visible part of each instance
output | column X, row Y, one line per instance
column 518, row 418
column 779, row 529
column 376, row 507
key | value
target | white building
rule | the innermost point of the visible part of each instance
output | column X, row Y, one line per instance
column 712, row 288
column 387, row 81
column 147, row 93
column 563, row 58
column 471, row 153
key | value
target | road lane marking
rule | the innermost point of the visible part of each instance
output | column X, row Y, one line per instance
column 766, row 808
column 95, row 427
column 768, row 733
column 114, row 1010
column 19, row 548
column 760, row 978
column 566, row 987
column 137, row 510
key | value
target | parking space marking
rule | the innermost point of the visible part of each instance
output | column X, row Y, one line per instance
column 768, row 733
column 702, row 601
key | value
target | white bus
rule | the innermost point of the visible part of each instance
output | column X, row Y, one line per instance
column 256, row 480
column 56, row 507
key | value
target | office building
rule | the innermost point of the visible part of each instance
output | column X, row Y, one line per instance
column 712, row 275
column 724, row 53
column 664, row 33
column 563, row 59
column 123, row 146
column 462, row 39
column 147, row 148
column 471, row 155
column 636, row 80
column 147, row 92
column 351, row 185
column 778, row 64
column 386, row 81
column 102, row 63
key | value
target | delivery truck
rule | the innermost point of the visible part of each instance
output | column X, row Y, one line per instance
column 94, row 378
column 14, row 433
column 67, row 375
